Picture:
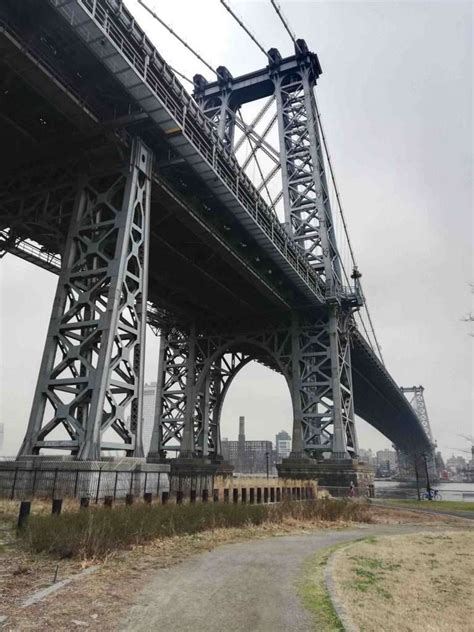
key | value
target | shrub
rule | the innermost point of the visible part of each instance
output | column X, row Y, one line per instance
column 100, row 531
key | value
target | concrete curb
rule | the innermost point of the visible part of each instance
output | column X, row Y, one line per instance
column 45, row 592
column 338, row 605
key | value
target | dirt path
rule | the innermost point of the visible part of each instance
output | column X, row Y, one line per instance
column 238, row 587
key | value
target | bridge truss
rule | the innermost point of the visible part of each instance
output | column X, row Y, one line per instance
column 295, row 307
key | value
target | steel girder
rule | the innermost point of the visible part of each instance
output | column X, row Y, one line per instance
column 321, row 382
column 218, row 109
column 91, row 376
column 195, row 372
column 194, row 375
column 321, row 385
column 416, row 398
column 305, row 190
column 37, row 204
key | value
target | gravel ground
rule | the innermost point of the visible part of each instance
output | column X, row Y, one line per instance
column 249, row 586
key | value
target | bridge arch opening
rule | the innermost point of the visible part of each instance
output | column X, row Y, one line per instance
column 262, row 397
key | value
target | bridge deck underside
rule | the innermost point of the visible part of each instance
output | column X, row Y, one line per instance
column 62, row 112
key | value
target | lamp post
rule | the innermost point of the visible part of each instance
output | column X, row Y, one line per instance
column 416, row 476
column 428, row 486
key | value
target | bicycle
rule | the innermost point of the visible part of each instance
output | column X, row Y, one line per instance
column 433, row 494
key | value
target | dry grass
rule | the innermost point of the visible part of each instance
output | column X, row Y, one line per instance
column 39, row 506
column 100, row 531
column 409, row 583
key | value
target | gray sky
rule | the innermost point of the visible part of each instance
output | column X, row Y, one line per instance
column 396, row 100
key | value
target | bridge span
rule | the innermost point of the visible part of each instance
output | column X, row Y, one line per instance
column 130, row 189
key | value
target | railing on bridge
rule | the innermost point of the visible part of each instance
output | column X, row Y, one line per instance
column 120, row 27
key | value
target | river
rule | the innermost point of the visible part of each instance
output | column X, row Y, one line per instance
column 448, row 491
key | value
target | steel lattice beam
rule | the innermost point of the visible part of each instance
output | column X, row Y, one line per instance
column 91, row 376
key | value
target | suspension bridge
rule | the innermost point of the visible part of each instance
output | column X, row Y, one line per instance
column 154, row 201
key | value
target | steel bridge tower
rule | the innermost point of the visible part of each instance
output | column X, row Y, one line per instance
column 415, row 395
column 313, row 348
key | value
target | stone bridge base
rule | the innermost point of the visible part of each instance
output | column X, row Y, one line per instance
column 62, row 477
column 333, row 475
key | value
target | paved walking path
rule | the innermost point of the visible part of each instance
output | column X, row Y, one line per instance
column 245, row 587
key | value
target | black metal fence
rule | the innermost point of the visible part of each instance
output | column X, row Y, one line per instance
column 100, row 484
column 95, row 484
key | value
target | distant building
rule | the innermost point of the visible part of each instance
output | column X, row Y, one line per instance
column 456, row 464
column 282, row 445
column 367, row 456
column 386, row 462
column 248, row 457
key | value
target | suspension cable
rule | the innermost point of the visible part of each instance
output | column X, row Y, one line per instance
column 180, row 74
column 285, row 23
column 346, row 231
column 242, row 25
column 180, row 39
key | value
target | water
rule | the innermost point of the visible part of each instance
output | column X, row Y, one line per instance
column 449, row 491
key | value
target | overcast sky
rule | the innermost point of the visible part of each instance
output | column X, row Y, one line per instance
column 396, row 100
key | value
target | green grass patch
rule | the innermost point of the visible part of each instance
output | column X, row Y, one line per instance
column 436, row 505
column 315, row 597
column 369, row 571
column 99, row 531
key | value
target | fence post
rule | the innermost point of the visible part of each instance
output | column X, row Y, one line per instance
column 12, row 495
column 54, row 482
column 144, row 484
column 56, row 506
column 115, row 484
column 34, row 483
column 158, row 485
column 84, row 503
column 25, row 508
column 75, row 484
column 98, row 487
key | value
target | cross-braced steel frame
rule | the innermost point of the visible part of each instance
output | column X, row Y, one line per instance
column 91, row 377
column 320, row 379
column 415, row 395
column 196, row 370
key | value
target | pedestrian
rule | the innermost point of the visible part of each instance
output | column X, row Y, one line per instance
column 352, row 490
